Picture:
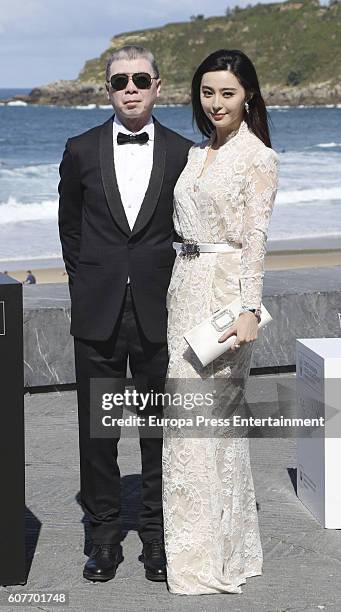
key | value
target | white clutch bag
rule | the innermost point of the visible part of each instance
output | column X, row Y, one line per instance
column 203, row 338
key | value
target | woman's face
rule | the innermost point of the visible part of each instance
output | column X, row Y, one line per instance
column 222, row 98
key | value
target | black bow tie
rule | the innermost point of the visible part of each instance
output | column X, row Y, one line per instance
column 132, row 138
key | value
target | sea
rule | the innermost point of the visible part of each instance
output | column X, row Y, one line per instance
column 307, row 212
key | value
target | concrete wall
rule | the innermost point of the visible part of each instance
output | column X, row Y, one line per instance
column 304, row 303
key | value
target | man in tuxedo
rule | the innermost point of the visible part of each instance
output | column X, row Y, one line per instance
column 116, row 230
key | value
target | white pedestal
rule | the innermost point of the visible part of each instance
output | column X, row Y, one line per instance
column 318, row 387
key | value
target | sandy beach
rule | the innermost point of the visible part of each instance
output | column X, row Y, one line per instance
column 44, row 272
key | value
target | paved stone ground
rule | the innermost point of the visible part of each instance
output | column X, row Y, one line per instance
column 302, row 560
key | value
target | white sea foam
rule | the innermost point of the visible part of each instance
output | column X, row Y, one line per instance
column 295, row 196
column 277, row 106
column 169, row 105
column 329, row 145
column 39, row 171
column 86, row 107
column 43, row 257
column 17, row 103
column 15, row 212
column 287, row 237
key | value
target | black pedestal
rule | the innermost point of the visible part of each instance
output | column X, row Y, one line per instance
column 12, row 453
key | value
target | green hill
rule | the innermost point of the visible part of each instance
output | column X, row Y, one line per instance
column 294, row 45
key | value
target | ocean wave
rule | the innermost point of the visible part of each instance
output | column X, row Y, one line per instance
column 277, row 106
column 17, row 103
column 293, row 106
column 38, row 170
column 328, row 145
column 42, row 257
column 109, row 106
column 308, row 235
column 171, row 105
column 295, row 196
column 86, row 107
column 15, row 212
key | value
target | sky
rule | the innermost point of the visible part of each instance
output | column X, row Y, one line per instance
column 46, row 40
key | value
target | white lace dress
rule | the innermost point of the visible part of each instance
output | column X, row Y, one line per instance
column 211, row 528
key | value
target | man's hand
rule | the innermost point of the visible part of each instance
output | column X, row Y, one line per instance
column 245, row 328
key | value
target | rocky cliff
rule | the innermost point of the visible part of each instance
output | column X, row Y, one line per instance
column 294, row 45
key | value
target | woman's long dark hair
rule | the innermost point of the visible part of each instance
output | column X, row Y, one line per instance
column 243, row 69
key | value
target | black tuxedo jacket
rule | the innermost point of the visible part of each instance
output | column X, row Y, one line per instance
column 99, row 249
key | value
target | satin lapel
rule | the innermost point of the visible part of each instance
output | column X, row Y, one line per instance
column 106, row 155
column 156, row 178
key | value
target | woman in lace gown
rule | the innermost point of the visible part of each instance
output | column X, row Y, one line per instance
column 225, row 194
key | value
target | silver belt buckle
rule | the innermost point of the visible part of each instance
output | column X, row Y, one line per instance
column 190, row 249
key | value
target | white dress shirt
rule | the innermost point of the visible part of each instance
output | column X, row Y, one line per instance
column 133, row 166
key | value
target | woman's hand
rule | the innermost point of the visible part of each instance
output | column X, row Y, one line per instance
column 245, row 328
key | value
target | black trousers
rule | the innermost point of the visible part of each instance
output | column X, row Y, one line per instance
column 99, row 470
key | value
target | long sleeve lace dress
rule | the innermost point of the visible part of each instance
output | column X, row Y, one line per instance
column 212, row 537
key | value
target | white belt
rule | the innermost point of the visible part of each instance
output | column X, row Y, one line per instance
column 193, row 249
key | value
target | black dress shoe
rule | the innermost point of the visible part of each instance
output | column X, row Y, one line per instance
column 154, row 560
column 103, row 562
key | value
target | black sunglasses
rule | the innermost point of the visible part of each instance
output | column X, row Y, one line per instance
column 142, row 80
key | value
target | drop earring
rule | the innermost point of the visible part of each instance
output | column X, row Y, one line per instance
column 247, row 107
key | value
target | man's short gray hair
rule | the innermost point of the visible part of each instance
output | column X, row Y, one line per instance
column 131, row 52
